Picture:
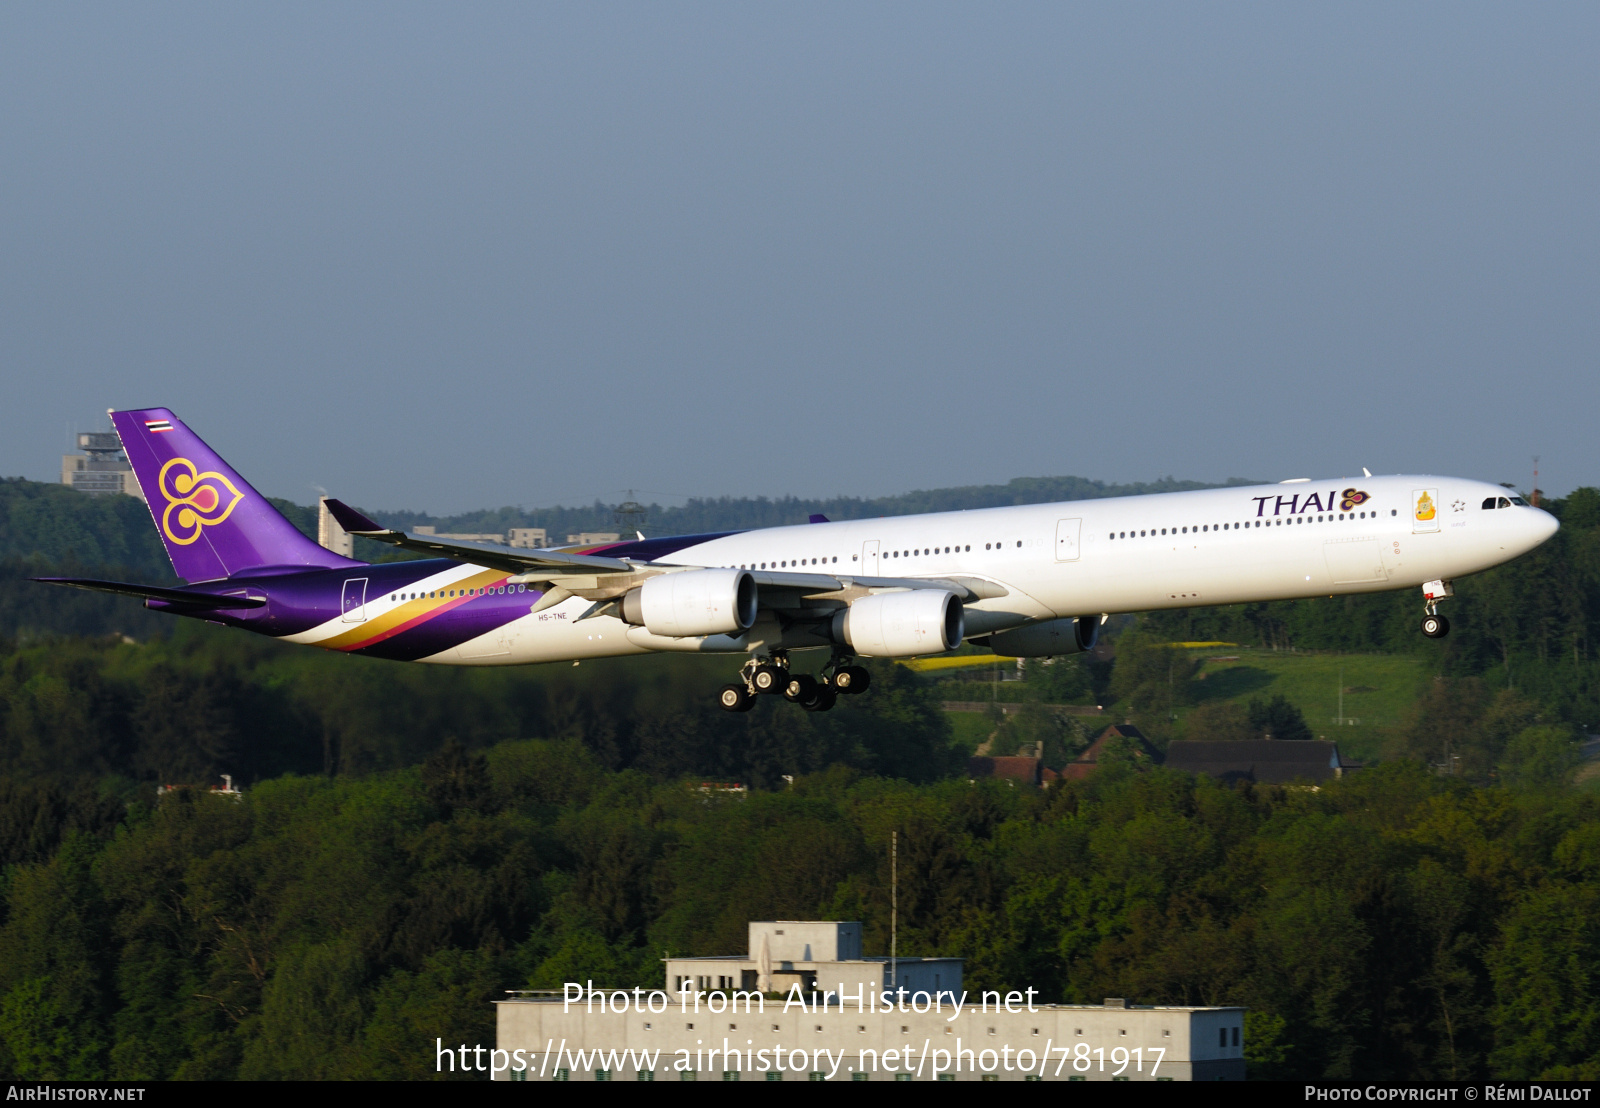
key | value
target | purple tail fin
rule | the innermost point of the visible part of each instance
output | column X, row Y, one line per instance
column 213, row 523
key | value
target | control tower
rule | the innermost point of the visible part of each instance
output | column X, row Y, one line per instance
column 102, row 468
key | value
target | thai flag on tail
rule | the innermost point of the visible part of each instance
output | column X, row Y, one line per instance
column 158, row 425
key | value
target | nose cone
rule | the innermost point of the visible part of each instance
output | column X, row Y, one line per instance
column 1541, row 526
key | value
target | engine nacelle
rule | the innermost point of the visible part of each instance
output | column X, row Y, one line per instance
column 695, row 602
column 1045, row 640
column 901, row 624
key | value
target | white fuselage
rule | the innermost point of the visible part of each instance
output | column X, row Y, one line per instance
column 1091, row 557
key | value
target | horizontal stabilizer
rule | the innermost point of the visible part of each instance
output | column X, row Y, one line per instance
column 510, row 559
column 154, row 592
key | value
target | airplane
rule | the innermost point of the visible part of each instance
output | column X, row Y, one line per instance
column 1030, row 581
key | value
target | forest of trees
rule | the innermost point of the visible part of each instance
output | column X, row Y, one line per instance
column 412, row 841
column 1395, row 925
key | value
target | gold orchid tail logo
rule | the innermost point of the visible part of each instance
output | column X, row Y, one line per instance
column 195, row 500
column 1352, row 497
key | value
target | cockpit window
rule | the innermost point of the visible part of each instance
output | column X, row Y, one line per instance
column 1517, row 500
column 1489, row 504
column 1504, row 503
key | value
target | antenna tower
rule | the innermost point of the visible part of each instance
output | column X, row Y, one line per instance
column 894, row 908
column 630, row 513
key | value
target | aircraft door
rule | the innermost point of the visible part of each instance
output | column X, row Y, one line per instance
column 1068, row 534
column 354, row 604
column 869, row 559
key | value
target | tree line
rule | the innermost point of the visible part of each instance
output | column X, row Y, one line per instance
column 412, row 840
column 1395, row 925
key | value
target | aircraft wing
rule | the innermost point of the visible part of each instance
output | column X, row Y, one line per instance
column 510, row 559
column 811, row 584
column 590, row 576
column 153, row 592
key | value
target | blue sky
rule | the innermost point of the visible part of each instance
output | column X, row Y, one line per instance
column 450, row 256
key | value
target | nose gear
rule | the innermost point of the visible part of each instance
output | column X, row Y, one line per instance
column 1434, row 625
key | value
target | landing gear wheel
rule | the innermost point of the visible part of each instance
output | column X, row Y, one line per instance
column 800, row 688
column 769, row 679
column 734, row 698
column 821, row 701
column 1435, row 627
column 852, row 680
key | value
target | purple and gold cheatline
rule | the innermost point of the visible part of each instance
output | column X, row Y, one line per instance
column 247, row 566
column 1025, row 580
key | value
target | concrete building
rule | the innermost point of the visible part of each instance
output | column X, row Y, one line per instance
column 458, row 536
column 721, row 1038
column 532, row 538
column 818, row 956
column 591, row 538
column 331, row 536
column 102, row 468
column 714, row 1022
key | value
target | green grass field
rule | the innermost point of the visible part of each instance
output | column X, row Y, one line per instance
column 1378, row 689
column 970, row 730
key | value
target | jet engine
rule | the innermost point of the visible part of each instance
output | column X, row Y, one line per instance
column 695, row 602
column 901, row 624
column 1044, row 640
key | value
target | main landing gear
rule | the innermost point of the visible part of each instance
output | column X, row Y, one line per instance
column 770, row 676
column 1434, row 625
